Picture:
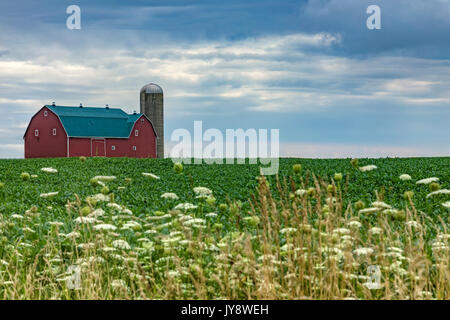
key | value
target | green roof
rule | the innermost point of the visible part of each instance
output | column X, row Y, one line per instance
column 95, row 122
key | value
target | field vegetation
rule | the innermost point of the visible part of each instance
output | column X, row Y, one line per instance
column 150, row 229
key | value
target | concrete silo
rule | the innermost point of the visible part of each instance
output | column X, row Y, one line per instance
column 152, row 105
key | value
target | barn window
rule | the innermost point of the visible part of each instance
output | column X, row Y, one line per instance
column 54, row 131
column 36, row 133
column 45, row 113
column 113, row 148
column 136, row 133
column 134, row 148
column 142, row 120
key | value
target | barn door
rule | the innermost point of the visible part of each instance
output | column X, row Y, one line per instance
column 98, row 148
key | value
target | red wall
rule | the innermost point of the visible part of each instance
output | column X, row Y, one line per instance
column 79, row 147
column 46, row 145
column 145, row 142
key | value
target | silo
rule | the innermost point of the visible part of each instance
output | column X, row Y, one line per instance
column 152, row 105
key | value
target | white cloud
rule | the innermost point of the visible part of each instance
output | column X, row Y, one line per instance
column 11, row 150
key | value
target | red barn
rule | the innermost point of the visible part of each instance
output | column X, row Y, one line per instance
column 57, row 131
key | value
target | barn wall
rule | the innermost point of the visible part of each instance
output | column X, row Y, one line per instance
column 145, row 142
column 49, row 146
column 46, row 145
column 79, row 147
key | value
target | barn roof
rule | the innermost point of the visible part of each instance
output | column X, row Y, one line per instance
column 95, row 122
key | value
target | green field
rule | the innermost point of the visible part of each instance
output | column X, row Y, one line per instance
column 249, row 238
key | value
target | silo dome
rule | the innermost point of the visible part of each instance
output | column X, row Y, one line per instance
column 151, row 88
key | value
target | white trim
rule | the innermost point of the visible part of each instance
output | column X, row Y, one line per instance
column 36, row 132
column 54, row 131
column 136, row 133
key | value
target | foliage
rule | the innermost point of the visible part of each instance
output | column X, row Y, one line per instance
column 222, row 231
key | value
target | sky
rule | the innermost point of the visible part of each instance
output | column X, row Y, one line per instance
column 311, row 69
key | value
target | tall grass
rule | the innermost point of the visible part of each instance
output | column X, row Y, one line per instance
column 298, row 241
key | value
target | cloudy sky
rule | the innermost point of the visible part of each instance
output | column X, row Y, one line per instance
column 309, row 68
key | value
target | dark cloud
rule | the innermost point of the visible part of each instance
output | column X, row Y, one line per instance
column 310, row 68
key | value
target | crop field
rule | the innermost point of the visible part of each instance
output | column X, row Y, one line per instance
column 101, row 228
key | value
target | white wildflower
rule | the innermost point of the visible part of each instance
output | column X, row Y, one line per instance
column 17, row 216
column 381, row 204
column 100, row 197
column 118, row 284
column 85, row 220
column 185, row 206
column 211, row 215
column 119, row 208
column 341, row 231
column 73, row 235
column 368, row 168
column 428, row 180
column 413, row 224
column 48, row 195
column 369, row 210
column 131, row 225
column 193, row 222
column 127, row 211
column 438, row 192
column 150, row 175
column 203, row 191
column 375, row 231
column 105, row 226
column 151, row 218
column 185, row 242
column 301, row 192
column 287, row 247
column 446, row 204
column 104, row 178
column 96, row 213
column 363, row 251
column 49, row 170
column 438, row 246
column 443, row 236
column 88, row 245
column 28, row 229
column 354, row 224
column 169, row 195
column 405, row 177
column 288, row 230
column 56, row 223
column 390, row 211
column 121, row 244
